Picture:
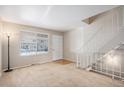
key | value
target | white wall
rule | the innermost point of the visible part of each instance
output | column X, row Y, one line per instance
column 102, row 31
column 73, row 40
column 101, row 35
column 15, row 59
column 0, row 48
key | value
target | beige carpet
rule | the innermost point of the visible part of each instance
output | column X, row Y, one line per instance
column 54, row 74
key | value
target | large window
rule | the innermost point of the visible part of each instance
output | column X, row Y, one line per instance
column 33, row 43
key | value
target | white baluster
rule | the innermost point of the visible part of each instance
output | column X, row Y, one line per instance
column 77, row 60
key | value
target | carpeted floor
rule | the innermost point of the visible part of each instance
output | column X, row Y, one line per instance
column 56, row 74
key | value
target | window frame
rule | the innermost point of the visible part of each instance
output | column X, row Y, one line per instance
column 32, row 53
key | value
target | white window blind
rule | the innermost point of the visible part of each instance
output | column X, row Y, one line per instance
column 33, row 43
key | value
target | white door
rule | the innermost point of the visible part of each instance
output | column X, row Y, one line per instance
column 57, row 47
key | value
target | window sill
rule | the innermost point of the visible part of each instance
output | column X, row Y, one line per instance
column 33, row 54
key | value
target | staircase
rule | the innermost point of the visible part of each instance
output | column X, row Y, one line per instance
column 104, row 60
column 113, row 70
column 104, row 63
column 103, row 49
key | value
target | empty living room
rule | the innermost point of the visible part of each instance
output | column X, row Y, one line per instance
column 61, row 45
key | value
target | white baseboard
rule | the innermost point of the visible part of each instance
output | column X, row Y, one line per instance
column 18, row 67
column 37, row 63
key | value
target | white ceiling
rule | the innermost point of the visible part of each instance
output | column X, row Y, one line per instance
column 60, row 18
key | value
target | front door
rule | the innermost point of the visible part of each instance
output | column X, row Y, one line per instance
column 57, row 47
